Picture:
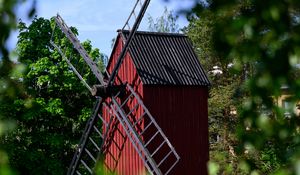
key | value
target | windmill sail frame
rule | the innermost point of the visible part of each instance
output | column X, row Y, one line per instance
column 115, row 107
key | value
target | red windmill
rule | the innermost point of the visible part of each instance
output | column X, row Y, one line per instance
column 154, row 87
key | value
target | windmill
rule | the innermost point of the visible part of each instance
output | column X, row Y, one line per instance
column 113, row 99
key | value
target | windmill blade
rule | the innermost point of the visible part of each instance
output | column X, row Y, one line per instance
column 92, row 142
column 76, row 44
column 150, row 142
column 132, row 15
column 71, row 66
column 118, row 106
column 131, row 35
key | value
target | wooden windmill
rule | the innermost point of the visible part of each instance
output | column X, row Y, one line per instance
column 122, row 133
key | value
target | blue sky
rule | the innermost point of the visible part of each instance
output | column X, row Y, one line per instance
column 98, row 20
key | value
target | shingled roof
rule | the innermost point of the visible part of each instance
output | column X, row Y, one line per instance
column 165, row 59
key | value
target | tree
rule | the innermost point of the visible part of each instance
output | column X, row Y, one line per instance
column 8, row 87
column 223, row 99
column 52, row 110
column 264, row 35
column 166, row 23
column 200, row 30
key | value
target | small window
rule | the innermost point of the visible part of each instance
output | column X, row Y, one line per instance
column 288, row 106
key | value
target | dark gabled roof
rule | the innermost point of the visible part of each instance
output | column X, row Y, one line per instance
column 166, row 59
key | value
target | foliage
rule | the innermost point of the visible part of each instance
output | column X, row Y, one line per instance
column 101, row 169
column 8, row 87
column 53, row 106
column 200, row 30
column 166, row 23
column 262, row 36
column 8, row 22
column 223, row 98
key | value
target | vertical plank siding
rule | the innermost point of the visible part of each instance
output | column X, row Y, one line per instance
column 165, row 72
column 121, row 156
column 181, row 111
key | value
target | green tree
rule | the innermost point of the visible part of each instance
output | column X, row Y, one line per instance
column 52, row 110
column 8, row 87
column 263, row 35
column 200, row 30
column 166, row 23
column 223, row 99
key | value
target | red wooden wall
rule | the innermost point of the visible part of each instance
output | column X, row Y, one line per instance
column 121, row 155
column 181, row 112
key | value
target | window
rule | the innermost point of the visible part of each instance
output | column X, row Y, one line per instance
column 288, row 107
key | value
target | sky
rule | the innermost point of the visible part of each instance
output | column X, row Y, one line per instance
column 97, row 20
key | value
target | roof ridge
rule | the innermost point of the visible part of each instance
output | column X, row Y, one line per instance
column 153, row 33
